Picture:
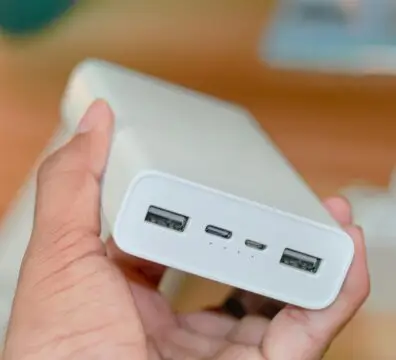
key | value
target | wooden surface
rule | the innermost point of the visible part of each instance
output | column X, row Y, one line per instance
column 335, row 130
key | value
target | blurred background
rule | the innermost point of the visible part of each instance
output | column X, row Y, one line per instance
column 338, row 130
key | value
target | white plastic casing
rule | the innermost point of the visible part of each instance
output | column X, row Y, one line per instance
column 209, row 160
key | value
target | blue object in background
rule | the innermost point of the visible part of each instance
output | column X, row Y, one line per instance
column 324, row 35
column 25, row 16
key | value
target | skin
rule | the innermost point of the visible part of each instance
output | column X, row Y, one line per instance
column 78, row 298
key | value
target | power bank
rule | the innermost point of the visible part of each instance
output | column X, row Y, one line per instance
column 195, row 184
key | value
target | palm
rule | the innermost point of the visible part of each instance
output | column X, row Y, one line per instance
column 201, row 335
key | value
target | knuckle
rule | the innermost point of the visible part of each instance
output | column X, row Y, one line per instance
column 361, row 291
column 50, row 165
column 314, row 336
column 59, row 204
column 365, row 289
column 62, row 161
column 67, row 249
column 295, row 315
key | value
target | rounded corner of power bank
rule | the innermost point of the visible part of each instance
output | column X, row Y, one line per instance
column 143, row 175
column 325, row 303
column 85, row 66
column 349, row 246
column 119, row 244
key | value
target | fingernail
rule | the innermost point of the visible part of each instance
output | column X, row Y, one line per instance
column 92, row 118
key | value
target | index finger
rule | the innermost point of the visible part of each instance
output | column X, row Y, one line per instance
column 306, row 334
column 135, row 269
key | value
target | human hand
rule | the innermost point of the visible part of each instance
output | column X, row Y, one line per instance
column 80, row 299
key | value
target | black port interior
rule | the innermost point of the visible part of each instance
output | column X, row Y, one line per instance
column 217, row 231
column 301, row 261
column 166, row 218
column 255, row 245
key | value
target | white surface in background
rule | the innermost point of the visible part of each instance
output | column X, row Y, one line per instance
column 352, row 36
column 375, row 210
column 392, row 185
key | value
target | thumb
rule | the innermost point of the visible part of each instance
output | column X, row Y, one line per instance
column 68, row 197
column 68, row 188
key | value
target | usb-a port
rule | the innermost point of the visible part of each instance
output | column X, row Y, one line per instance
column 166, row 218
column 301, row 261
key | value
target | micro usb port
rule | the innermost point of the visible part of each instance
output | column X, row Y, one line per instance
column 255, row 245
column 300, row 261
column 166, row 218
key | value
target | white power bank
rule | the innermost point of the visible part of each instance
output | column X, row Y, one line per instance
column 193, row 183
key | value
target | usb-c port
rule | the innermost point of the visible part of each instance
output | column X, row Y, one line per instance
column 216, row 231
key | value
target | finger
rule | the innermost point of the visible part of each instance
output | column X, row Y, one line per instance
column 249, row 331
column 340, row 209
column 155, row 312
column 306, row 334
column 208, row 324
column 135, row 269
column 242, row 303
